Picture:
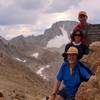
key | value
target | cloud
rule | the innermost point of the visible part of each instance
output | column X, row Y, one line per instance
column 15, row 30
column 62, row 5
column 21, row 11
column 31, row 4
column 24, row 4
column 31, row 11
column 34, row 16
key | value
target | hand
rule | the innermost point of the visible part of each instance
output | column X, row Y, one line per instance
column 52, row 97
column 93, row 78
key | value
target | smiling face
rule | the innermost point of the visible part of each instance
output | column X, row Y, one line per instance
column 72, row 54
column 72, row 58
column 82, row 18
column 77, row 37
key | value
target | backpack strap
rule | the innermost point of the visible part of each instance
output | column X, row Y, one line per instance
column 86, row 68
column 81, row 77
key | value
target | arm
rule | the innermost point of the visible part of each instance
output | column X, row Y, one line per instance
column 93, row 78
column 55, row 90
column 85, row 72
column 56, row 86
column 57, row 83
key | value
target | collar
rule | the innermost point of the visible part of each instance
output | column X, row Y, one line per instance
column 76, row 44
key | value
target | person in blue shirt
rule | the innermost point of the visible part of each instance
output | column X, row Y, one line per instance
column 72, row 74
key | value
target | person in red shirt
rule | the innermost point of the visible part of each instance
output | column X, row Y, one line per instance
column 83, row 25
column 82, row 17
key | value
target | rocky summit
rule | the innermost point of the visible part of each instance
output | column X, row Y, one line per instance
column 91, row 90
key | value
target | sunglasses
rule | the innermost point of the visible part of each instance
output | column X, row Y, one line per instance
column 77, row 34
column 81, row 16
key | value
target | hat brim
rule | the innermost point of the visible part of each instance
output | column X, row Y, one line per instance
column 64, row 54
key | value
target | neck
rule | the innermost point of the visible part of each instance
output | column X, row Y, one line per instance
column 83, row 23
column 76, row 43
column 72, row 65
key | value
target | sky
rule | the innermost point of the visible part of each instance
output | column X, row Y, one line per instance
column 32, row 17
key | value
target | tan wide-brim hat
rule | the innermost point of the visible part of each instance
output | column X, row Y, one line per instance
column 71, row 50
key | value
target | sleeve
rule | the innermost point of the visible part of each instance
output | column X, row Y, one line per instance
column 85, row 73
column 60, row 74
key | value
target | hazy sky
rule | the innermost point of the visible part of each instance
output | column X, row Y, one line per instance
column 34, row 16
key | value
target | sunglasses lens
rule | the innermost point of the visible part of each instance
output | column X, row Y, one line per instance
column 81, row 16
column 77, row 35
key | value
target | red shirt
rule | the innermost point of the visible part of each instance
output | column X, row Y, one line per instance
column 81, row 27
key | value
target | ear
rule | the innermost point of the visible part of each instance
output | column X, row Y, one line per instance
column 86, row 17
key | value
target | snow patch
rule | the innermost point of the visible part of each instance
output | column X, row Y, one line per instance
column 35, row 55
column 20, row 60
column 58, row 41
column 39, row 72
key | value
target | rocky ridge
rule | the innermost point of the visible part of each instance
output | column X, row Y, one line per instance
column 91, row 90
column 18, row 82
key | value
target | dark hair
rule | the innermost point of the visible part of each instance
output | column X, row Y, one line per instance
column 74, row 31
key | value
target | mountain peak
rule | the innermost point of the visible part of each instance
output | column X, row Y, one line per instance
column 3, row 40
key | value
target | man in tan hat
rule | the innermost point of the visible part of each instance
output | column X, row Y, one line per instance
column 72, row 74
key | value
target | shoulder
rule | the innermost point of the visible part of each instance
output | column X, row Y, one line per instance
column 82, row 64
column 84, row 45
column 78, row 26
column 65, row 64
column 84, row 67
column 68, row 45
column 63, row 67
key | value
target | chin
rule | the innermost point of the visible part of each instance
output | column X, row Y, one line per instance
column 72, row 62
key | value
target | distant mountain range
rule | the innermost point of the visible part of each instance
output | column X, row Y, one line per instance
column 28, row 43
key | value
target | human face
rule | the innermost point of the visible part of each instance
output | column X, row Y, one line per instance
column 77, row 37
column 82, row 19
column 72, row 58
